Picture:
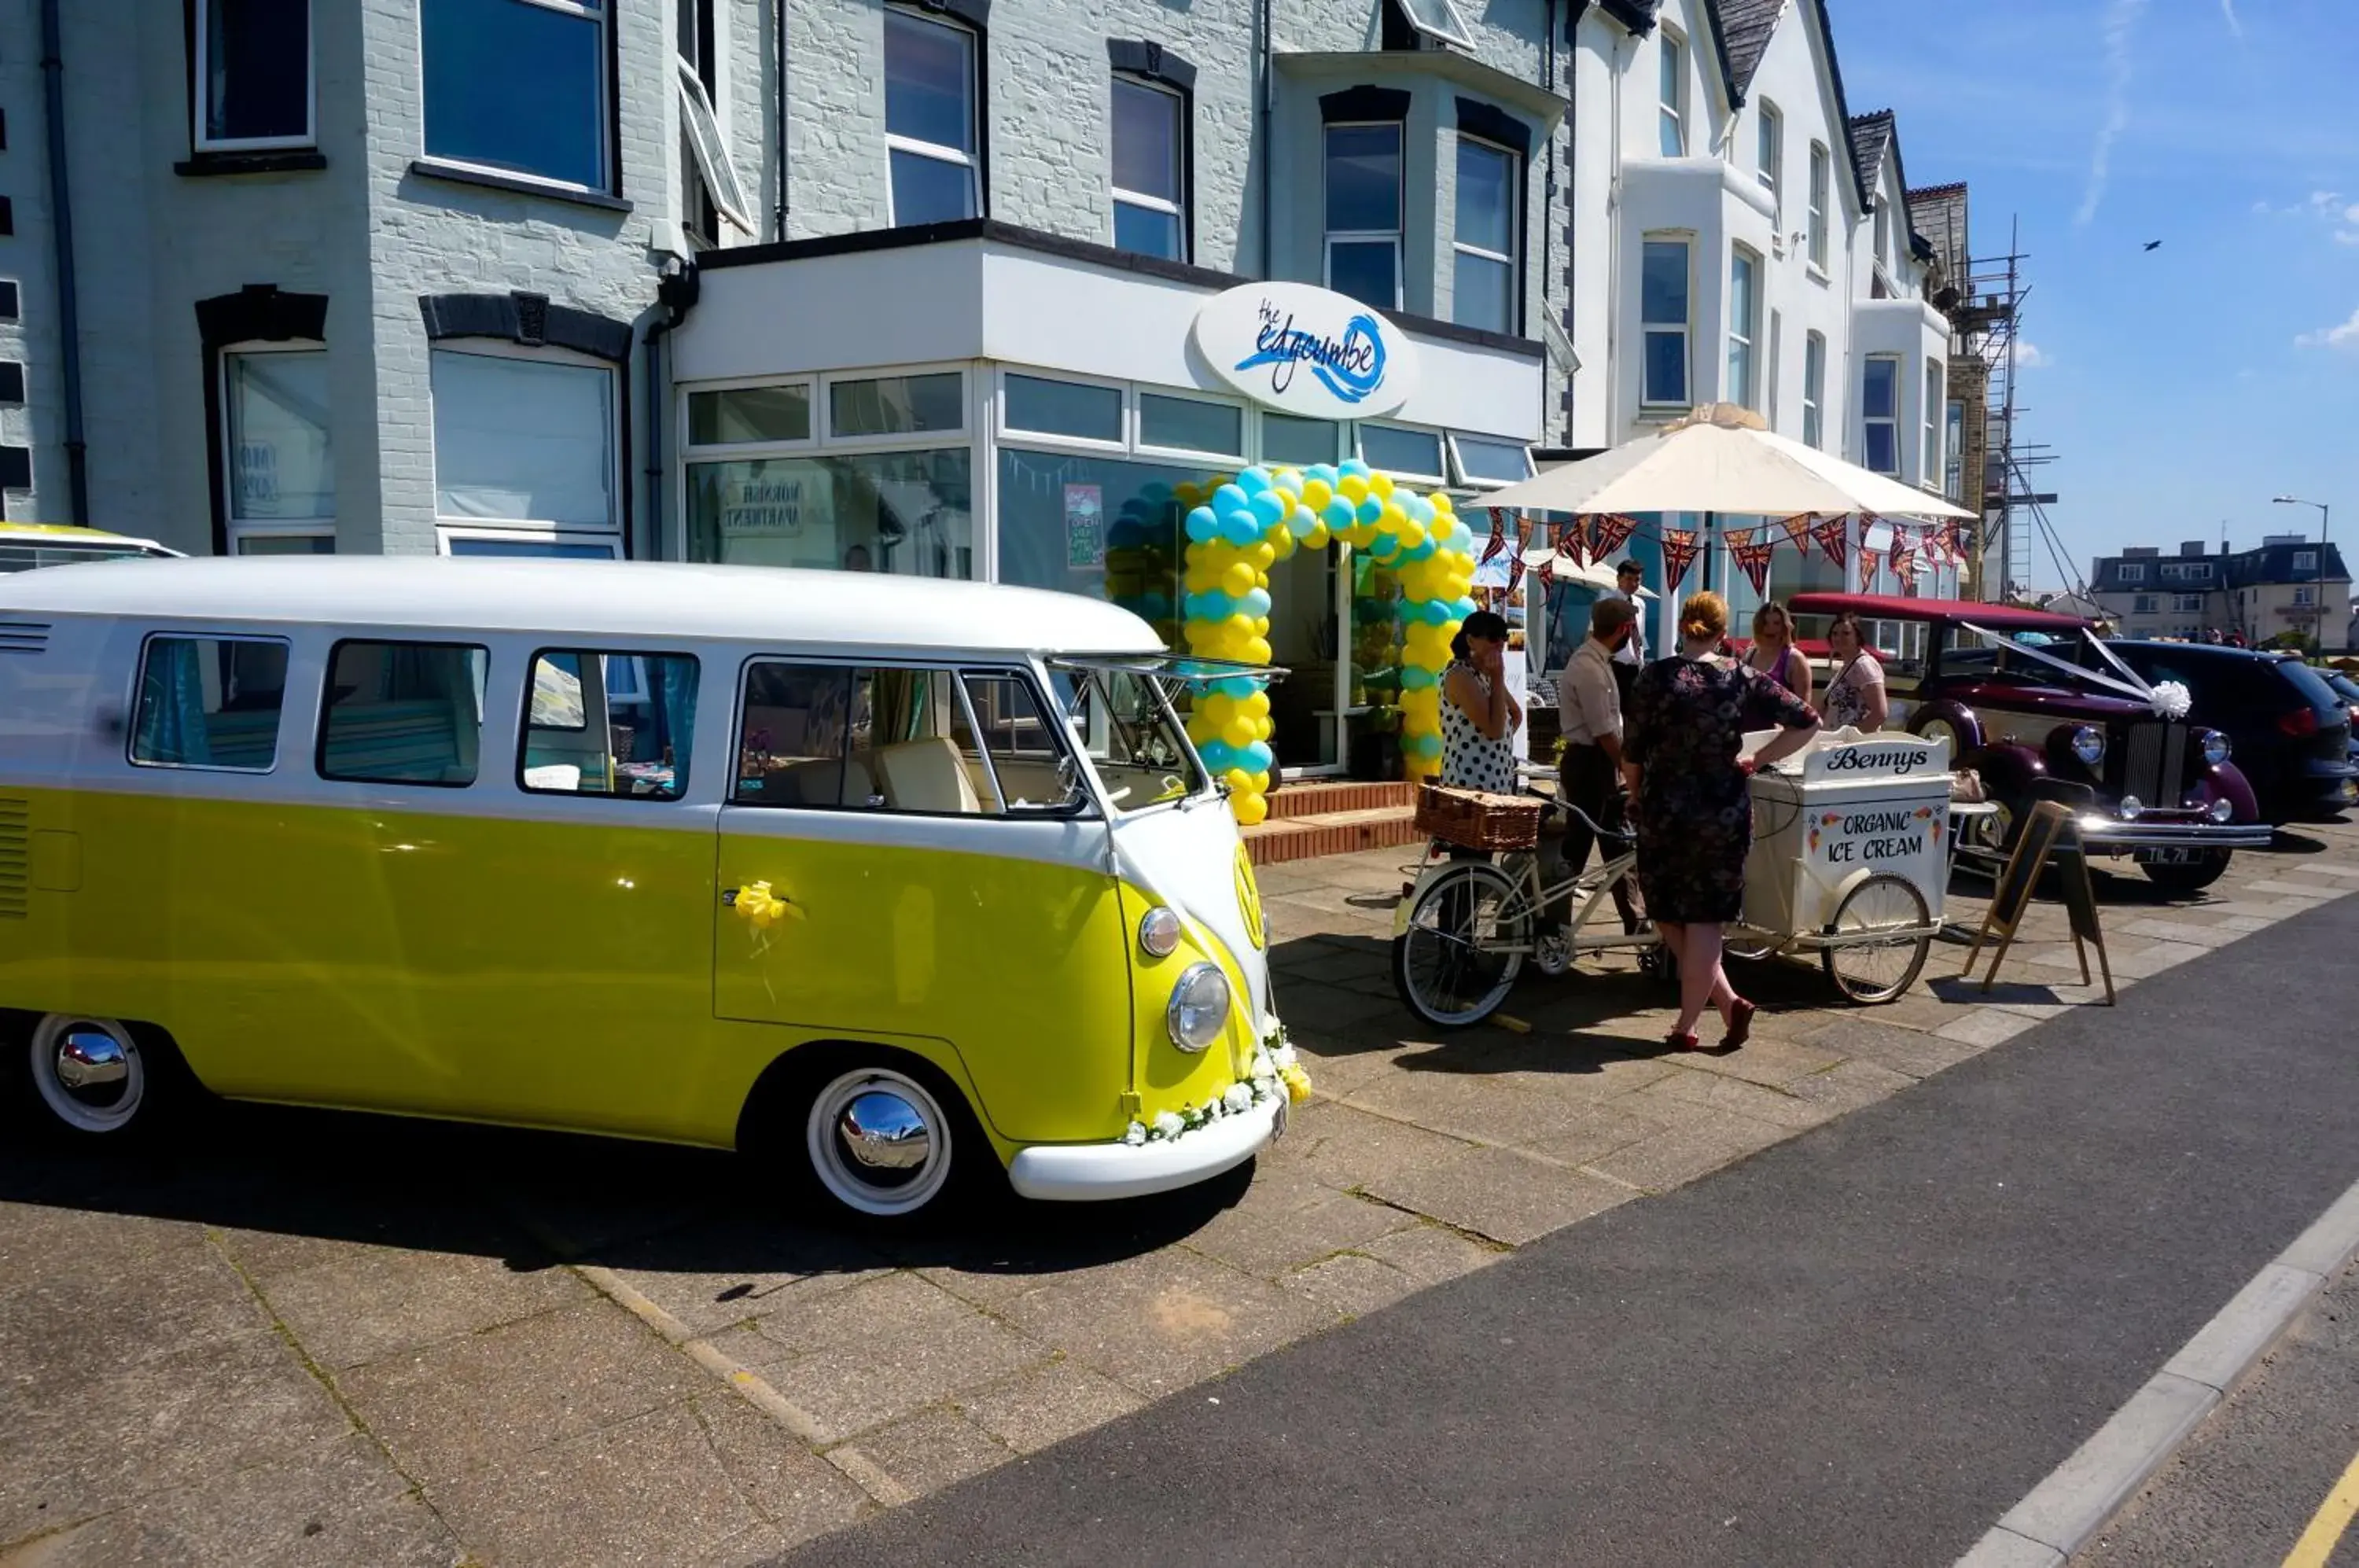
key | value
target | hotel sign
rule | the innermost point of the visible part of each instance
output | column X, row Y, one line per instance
column 1306, row 351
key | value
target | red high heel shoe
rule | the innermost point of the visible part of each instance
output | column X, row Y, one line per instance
column 1686, row 1040
column 1740, row 1024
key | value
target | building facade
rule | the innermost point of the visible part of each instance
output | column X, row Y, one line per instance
column 2291, row 583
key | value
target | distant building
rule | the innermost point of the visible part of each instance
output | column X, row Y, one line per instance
column 2290, row 582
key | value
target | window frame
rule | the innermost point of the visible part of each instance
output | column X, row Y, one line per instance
column 2305, row 560
column 139, row 686
column 1868, row 421
column 721, row 450
column 1086, row 809
column 1672, row 92
column 1749, row 340
column 1511, row 260
column 1814, row 390
column 535, row 534
column 199, row 96
column 610, row 164
column 1126, row 420
column 1397, row 236
column 1441, row 450
column 1821, row 198
column 1464, row 480
column 525, row 725
column 1140, row 445
column 969, row 159
column 1936, row 386
column 320, row 729
column 235, row 531
column 1176, row 209
column 1769, row 152
column 825, row 433
column 618, row 478
column 2130, row 571
column 1685, row 328
column 2187, row 603
column 1954, row 449
column 1342, row 447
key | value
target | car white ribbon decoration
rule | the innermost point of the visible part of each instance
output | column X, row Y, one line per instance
column 2170, row 700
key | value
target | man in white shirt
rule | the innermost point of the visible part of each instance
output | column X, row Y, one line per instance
column 1631, row 656
column 1589, row 703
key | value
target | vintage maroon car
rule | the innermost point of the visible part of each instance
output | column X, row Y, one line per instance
column 2142, row 774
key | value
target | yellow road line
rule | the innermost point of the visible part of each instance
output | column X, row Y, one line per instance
column 2326, row 1527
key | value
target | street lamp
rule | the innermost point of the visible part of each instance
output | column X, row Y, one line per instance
column 2298, row 501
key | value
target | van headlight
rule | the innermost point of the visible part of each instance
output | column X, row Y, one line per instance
column 1159, row 931
column 2216, row 749
column 1199, row 1007
column 2220, row 810
column 2089, row 745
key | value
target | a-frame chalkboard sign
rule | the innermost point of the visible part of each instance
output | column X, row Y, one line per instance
column 2049, row 838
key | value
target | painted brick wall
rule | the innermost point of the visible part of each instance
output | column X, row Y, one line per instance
column 25, row 261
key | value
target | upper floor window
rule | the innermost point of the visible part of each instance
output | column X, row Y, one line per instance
column 2144, row 604
column 930, row 119
column 1673, row 112
column 2305, row 560
column 1953, row 444
column 1484, row 285
column 1930, row 473
column 1147, row 146
column 1771, row 149
column 2184, row 603
column 710, row 189
column 1663, row 316
column 1883, row 234
column 1814, row 389
column 1743, row 313
column 279, row 457
column 1363, row 213
column 1821, row 193
column 253, row 74
column 1880, row 411
column 518, row 86
column 2132, row 571
column 2305, row 595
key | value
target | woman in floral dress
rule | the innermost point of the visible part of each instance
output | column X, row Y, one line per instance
column 1686, row 723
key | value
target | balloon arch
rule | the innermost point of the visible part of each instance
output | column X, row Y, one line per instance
column 1238, row 527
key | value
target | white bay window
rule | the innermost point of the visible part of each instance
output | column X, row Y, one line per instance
column 930, row 119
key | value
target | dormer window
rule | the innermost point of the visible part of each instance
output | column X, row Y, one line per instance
column 1436, row 19
column 1673, row 112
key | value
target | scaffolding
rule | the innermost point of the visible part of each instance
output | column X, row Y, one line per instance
column 1986, row 321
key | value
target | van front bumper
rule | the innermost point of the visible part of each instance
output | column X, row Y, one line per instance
column 2111, row 835
column 1084, row 1173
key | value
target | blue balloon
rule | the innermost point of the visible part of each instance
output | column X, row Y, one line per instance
column 1240, row 528
column 1438, row 612
column 1203, row 526
column 1226, row 500
column 1267, row 506
column 1371, row 509
column 1417, row 677
column 1421, row 550
column 1255, row 757
column 1237, row 686
column 1425, row 745
column 1386, row 546
column 1210, row 605
column 1338, row 515
column 1324, row 472
column 1220, row 756
column 1154, row 607
column 1254, row 605
column 1422, row 510
column 1354, row 465
column 1253, row 481
column 1463, row 608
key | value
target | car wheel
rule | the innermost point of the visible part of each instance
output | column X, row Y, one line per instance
column 2192, row 878
column 886, row 1139
column 95, row 1077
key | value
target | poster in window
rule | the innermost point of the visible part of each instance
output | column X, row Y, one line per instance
column 766, row 508
column 1084, row 527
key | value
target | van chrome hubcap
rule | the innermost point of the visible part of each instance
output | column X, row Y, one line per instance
column 89, row 1073
column 879, row 1142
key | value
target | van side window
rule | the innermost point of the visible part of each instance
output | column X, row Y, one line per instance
column 403, row 713
column 608, row 724
column 834, row 737
column 210, row 702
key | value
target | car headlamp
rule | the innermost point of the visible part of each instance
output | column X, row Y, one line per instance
column 2216, row 749
column 2131, row 808
column 2220, row 810
column 1199, row 1008
column 2089, row 745
column 1159, row 931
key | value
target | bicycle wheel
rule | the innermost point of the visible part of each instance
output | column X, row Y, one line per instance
column 1869, row 959
column 1448, row 965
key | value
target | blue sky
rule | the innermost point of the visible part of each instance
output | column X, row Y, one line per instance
column 2188, row 385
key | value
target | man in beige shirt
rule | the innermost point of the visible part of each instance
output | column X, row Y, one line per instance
column 1589, row 699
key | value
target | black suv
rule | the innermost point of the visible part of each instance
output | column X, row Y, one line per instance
column 2292, row 732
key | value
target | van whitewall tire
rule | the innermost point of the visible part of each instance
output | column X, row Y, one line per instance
column 95, row 1077
column 889, row 1178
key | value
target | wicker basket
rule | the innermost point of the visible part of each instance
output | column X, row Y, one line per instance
column 1474, row 820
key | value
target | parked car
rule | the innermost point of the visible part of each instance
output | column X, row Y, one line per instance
column 2291, row 729
column 24, row 546
column 2009, row 690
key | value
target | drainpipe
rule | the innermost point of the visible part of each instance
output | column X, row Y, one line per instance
column 676, row 293
column 53, row 92
column 778, row 128
column 1262, row 51
column 1548, row 219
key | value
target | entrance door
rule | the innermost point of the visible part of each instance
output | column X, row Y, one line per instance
column 946, row 883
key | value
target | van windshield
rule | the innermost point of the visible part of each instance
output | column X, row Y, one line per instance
column 1120, row 719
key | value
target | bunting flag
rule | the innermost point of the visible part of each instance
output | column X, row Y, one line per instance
column 1832, row 540
column 1514, row 572
column 1680, row 546
column 1498, row 541
column 1573, row 541
column 1798, row 531
column 1753, row 558
column 1954, row 542
column 1609, row 533
column 1903, row 555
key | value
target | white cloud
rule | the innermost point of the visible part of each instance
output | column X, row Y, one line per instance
column 2029, row 355
column 2346, row 236
column 2121, row 23
column 2228, row 13
column 2344, row 337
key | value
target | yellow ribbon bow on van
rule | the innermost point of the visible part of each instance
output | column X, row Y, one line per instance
column 762, row 907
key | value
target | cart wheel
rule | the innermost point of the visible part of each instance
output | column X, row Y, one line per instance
column 1868, row 967
column 1447, row 965
column 1658, row 962
column 1747, row 950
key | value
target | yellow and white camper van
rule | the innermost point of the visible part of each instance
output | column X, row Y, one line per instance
column 24, row 546
column 919, row 880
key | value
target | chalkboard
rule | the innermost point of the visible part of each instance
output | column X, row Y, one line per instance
column 2048, row 838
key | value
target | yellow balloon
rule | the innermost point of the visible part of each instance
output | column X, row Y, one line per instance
column 1250, row 809
column 1257, row 651
column 1261, row 782
column 1380, row 485
column 1261, row 625
column 1257, row 705
column 1442, row 501
column 1412, row 533
column 1237, row 580
column 1240, row 732
column 1352, row 488
column 1315, row 537
column 1281, row 539
column 1240, row 782
column 1261, row 554
column 1316, row 494
column 1220, row 707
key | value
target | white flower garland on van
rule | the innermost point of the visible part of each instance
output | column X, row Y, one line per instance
column 1276, row 1071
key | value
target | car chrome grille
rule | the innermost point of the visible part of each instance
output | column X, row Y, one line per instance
column 15, row 856
column 2154, row 765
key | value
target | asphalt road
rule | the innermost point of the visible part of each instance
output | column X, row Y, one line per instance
column 2250, row 1481
column 1862, row 1346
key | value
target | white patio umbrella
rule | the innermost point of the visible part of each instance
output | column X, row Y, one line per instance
column 1594, row 574
column 1719, row 459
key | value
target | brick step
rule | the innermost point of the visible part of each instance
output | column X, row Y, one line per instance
column 1323, row 798
column 1279, row 840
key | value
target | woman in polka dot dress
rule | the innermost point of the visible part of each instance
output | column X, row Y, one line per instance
column 1478, row 715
